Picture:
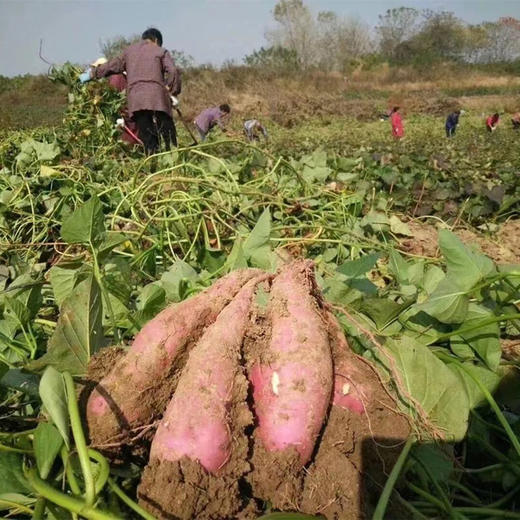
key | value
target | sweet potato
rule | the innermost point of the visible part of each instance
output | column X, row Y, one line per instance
column 200, row 450
column 350, row 392
column 292, row 380
column 140, row 385
column 196, row 422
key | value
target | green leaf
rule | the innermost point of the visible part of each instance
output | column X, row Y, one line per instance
column 381, row 310
column 3, row 370
column 484, row 340
column 256, row 248
column 62, row 282
column 399, row 267
column 111, row 241
column 377, row 221
column 433, row 385
column 11, row 474
column 21, row 381
column 6, row 499
column 17, row 309
column 464, row 265
column 46, row 151
column 236, row 258
column 440, row 465
column 78, row 334
column 448, row 303
column 432, row 277
column 171, row 280
column 357, row 268
column 86, row 224
column 489, row 379
column 399, row 228
column 315, row 166
column 151, row 299
column 54, row 399
column 47, row 444
column 27, row 291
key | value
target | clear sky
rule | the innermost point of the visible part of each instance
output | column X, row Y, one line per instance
column 210, row 30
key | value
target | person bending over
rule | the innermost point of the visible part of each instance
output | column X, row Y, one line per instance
column 211, row 117
column 492, row 122
column 451, row 123
column 253, row 128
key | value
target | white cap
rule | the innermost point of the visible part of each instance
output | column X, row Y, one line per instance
column 99, row 61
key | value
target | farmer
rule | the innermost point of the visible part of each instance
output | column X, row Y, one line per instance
column 152, row 79
column 515, row 121
column 451, row 123
column 492, row 122
column 211, row 117
column 253, row 128
column 397, row 123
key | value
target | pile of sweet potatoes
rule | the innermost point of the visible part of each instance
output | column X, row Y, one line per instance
column 256, row 399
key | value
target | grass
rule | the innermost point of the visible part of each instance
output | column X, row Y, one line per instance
column 33, row 101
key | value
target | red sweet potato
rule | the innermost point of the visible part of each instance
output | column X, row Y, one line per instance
column 350, row 392
column 196, row 422
column 292, row 380
column 140, row 385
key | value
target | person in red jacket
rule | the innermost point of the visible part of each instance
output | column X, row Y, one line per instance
column 492, row 122
column 397, row 123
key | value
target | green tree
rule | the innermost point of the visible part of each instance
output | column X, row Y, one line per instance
column 273, row 58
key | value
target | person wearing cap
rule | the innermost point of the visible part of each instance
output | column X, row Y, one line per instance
column 152, row 78
column 253, row 128
column 211, row 117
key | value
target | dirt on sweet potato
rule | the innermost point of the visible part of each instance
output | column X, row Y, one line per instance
column 185, row 490
column 357, row 450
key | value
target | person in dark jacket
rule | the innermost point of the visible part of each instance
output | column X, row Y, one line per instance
column 152, row 78
column 451, row 123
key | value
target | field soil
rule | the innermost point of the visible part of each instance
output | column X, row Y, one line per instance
column 503, row 246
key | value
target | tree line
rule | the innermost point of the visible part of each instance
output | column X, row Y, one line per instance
column 302, row 39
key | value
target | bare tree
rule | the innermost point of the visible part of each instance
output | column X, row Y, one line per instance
column 503, row 40
column 341, row 40
column 296, row 30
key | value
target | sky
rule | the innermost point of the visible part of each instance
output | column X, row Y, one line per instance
column 212, row 31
